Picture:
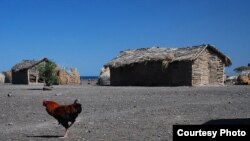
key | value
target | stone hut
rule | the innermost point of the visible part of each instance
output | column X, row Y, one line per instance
column 26, row 72
column 190, row 66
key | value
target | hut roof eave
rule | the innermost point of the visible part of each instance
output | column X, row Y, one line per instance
column 26, row 64
column 143, row 55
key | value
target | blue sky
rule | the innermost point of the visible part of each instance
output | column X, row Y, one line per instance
column 86, row 34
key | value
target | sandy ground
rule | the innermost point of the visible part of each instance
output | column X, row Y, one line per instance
column 118, row 113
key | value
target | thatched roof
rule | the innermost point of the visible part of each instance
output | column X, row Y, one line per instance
column 168, row 55
column 27, row 64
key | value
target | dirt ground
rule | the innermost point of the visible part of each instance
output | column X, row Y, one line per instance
column 118, row 113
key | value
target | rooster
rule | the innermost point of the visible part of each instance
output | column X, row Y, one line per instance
column 65, row 114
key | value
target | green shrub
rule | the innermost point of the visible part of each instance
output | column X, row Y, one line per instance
column 48, row 73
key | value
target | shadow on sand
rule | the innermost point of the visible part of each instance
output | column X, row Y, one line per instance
column 43, row 136
column 243, row 121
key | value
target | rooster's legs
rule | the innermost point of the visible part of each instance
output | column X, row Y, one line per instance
column 67, row 131
column 66, row 134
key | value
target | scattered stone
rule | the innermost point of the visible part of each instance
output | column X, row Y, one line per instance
column 9, row 95
column 91, row 123
column 88, row 131
column 81, row 139
column 47, row 88
column 57, row 94
column 95, row 116
column 3, row 115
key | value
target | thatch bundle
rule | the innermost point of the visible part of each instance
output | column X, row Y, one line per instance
column 71, row 77
column 63, row 77
column 75, row 76
column 167, row 60
column 2, row 78
column 104, row 78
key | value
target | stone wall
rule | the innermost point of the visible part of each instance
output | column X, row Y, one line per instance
column 208, row 69
column 216, row 68
column 200, row 72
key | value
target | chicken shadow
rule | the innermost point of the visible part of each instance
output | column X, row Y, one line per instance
column 35, row 89
column 43, row 136
column 238, row 121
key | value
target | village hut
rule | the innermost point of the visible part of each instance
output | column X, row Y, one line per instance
column 27, row 72
column 190, row 66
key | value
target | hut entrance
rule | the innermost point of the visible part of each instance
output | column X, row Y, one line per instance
column 33, row 76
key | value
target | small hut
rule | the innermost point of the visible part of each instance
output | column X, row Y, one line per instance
column 190, row 66
column 27, row 72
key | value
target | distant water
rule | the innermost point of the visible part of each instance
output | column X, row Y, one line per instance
column 88, row 77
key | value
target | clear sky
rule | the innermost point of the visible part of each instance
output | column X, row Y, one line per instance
column 86, row 34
